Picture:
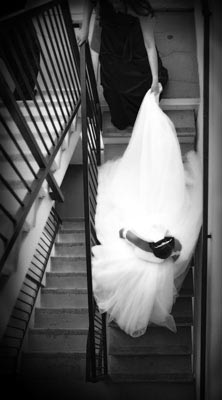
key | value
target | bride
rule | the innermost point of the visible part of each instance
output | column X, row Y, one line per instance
column 148, row 218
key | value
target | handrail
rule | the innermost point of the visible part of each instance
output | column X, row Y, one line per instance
column 12, row 341
column 96, row 368
column 39, row 99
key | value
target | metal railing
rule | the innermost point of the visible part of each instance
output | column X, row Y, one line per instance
column 39, row 99
column 91, row 131
column 12, row 341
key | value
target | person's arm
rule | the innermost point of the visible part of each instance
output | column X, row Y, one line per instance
column 147, row 27
column 84, row 31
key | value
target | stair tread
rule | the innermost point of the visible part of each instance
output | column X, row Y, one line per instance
column 174, row 103
column 64, row 274
column 73, row 219
column 182, row 316
column 61, row 354
column 59, row 331
column 69, row 244
column 148, row 377
column 71, row 230
column 184, row 122
column 64, row 290
column 69, row 257
column 158, row 340
column 151, row 366
column 60, row 310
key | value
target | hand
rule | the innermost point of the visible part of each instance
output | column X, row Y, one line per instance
column 82, row 36
column 155, row 88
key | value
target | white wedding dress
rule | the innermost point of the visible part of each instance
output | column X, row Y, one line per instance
column 152, row 192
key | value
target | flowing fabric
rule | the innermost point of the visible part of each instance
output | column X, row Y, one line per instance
column 152, row 192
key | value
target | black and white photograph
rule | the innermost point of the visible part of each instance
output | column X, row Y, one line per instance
column 111, row 199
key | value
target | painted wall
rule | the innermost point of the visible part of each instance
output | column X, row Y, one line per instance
column 214, row 333
column 72, row 188
column 198, row 261
column 199, row 44
column 214, row 314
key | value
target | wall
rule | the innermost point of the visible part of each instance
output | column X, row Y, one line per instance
column 198, row 261
column 214, row 331
column 214, row 281
column 199, row 44
column 72, row 188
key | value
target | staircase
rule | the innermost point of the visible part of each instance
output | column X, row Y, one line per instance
column 159, row 364
column 56, row 348
column 58, row 167
column 159, row 361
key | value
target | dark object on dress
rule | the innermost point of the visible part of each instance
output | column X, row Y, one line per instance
column 125, row 71
column 162, row 248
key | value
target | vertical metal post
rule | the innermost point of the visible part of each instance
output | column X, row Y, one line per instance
column 86, row 209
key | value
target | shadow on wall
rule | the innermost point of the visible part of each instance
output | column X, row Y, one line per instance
column 72, row 188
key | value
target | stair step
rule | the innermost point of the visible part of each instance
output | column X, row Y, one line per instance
column 21, row 165
column 182, row 312
column 72, row 223
column 152, row 377
column 65, row 318
column 64, row 297
column 59, row 366
column 184, row 139
column 10, row 202
column 113, row 151
column 151, row 367
column 16, row 184
column 44, row 111
column 44, row 126
column 158, row 341
column 12, row 150
column 9, row 173
column 66, row 280
column 70, row 249
column 171, row 5
column 177, row 103
column 57, row 340
column 71, row 236
column 64, row 98
column 68, row 263
column 184, row 122
column 180, row 103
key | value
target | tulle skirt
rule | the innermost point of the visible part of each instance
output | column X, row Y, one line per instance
column 152, row 191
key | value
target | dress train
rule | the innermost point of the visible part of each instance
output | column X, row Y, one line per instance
column 153, row 192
